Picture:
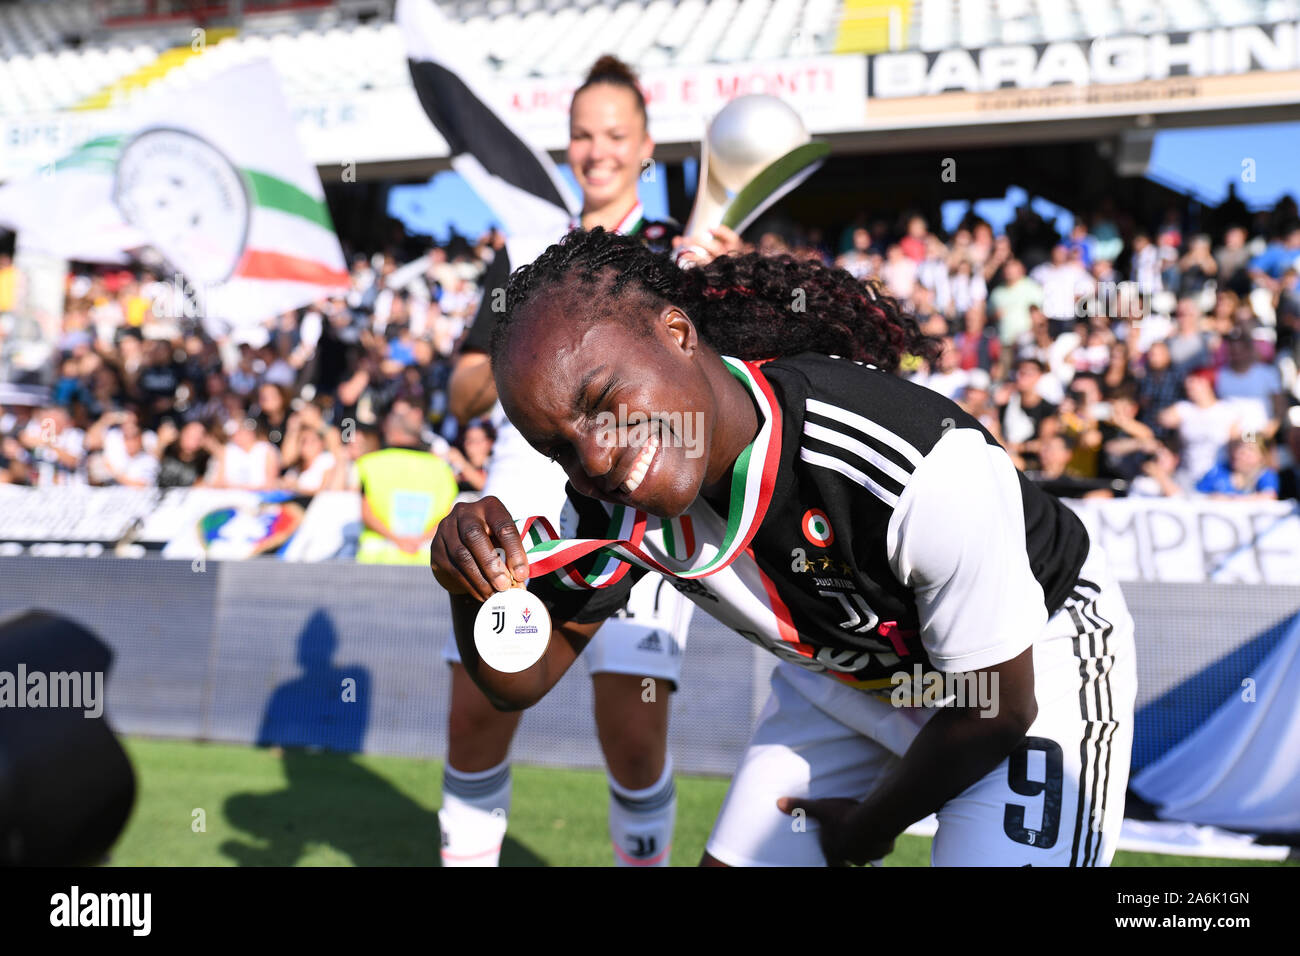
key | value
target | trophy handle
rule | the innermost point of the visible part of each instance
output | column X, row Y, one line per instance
column 777, row 178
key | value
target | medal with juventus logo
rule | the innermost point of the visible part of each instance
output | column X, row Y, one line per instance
column 512, row 630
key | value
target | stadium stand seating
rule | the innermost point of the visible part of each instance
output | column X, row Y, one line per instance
column 59, row 54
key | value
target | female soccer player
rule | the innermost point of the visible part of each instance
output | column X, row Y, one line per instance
column 864, row 529
column 608, row 148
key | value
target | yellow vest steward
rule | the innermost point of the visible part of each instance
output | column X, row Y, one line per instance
column 410, row 491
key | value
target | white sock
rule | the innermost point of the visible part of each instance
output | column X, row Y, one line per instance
column 475, row 807
column 641, row 821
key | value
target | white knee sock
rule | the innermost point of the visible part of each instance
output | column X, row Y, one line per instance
column 641, row 821
column 475, row 807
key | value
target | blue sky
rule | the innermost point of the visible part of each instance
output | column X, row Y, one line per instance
column 1198, row 161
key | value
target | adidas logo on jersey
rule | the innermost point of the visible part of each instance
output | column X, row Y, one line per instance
column 651, row 642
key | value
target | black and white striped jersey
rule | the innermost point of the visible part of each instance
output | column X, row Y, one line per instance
column 898, row 532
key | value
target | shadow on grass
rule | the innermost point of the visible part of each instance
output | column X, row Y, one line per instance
column 334, row 801
column 319, row 718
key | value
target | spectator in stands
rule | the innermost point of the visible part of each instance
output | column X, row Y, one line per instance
column 966, row 289
column 947, row 377
column 977, row 401
column 977, row 344
column 56, row 447
column 857, row 261
column 1204, row 425
column 1255, row 386
column 405, row 492
column 915, row 242
column 1158, row 387
column 272, row 412
column 1246, row 474
column 1079, row 244
column 1126, row 443
column 1010, row 303
column 1189, row 347
column 1024, row 408
column 1158, row 471
column 134, row 467
column 1063, row 279
column 1232, row 260
column 309, row 463
column 1196, row 268
column 184, row 454
column 1281, row 254
column 1145, row 265
column 469, row 461
column 247, row 461
column 898, row 272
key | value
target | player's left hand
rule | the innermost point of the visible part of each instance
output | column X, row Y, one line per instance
column 704, row 248
column 842, row 843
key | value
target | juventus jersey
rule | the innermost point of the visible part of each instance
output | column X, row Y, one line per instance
column 896, row 532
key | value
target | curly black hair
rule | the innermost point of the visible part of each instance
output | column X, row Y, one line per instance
column 747, row 306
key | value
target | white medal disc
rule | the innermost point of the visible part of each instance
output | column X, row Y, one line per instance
column 512, row 630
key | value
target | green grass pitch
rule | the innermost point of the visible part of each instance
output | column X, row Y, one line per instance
column 293, row 808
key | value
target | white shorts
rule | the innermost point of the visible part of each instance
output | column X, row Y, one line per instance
column 648, row 639
column 1057, row 800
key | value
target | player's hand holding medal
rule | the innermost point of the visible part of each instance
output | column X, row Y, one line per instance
column 478, row 551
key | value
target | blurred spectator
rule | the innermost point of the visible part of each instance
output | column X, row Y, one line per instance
column 858, row 260
column 1283, row 253
column 56, row 448
column 272, row 412
column 1253, row 385
column 947, row 378
column 1246, row 474
column 1231, row 260
column 1158, row 387
column 1204, row 424
column 1011, row 300
column 1189, row 347
column 1197, row 267
column 898, row 273
column 308, row 463
column 977, row 345
column 1024, row 409
column 966, row 290
column 405, row 491
column 185, row 454
column 1063, row 280
column 915, row 243
column 247, row 461
column 977, row 401
column 1127, row 444
column 1158, row 471
column 469, row 462
column 133, row 466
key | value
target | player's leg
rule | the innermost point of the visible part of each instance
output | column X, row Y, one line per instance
column 796, row 750
column 635, row 663
column 476, row 777
column 1058, row 800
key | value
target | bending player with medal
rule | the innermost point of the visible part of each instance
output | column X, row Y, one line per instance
column 609, row 147
column 864, row 529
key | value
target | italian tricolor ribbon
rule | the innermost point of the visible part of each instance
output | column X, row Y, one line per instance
column 752, row 482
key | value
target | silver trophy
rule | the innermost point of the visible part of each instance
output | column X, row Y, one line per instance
column 755, row 151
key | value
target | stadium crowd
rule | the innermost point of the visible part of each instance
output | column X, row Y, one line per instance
column 1115, row 360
